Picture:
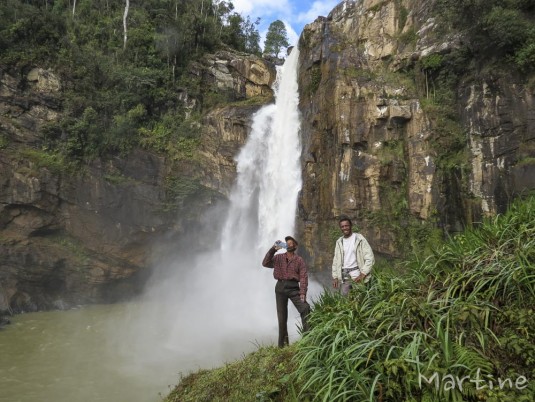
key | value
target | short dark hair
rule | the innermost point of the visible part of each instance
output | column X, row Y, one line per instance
column 345, row 218
column 291, row 238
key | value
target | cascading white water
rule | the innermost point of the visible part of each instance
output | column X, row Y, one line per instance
column 227, row 286
column 217, row 305
column 264, row 201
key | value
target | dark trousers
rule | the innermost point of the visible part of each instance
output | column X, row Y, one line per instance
column 346, row 287
column 285, row 290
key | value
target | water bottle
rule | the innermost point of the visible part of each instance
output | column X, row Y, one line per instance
column 280, row 244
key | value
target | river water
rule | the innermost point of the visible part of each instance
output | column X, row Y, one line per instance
column 76, row 355
column 197, row 311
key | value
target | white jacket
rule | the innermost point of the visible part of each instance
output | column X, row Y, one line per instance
column 365, row 257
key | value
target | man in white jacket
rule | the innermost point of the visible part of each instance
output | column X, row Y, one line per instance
column 353, row 258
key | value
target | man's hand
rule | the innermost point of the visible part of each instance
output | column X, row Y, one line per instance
column 303, row 298
column 360, row 277
column 335, row 283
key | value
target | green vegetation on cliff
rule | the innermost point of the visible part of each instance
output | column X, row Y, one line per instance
column 491, row 41
column 495, row 28
column 426, row 331
column 120, row 83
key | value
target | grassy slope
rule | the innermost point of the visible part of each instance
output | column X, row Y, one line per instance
column 465, row 309
column 262, row 376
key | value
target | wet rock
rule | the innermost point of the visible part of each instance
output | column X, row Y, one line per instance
column 4, row 320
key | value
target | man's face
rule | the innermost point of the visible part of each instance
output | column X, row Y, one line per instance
column 290, row 245
column 345, row 227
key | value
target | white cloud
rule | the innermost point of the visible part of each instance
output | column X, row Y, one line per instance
column 318, row 8
column 268, row 11
column 260, row 7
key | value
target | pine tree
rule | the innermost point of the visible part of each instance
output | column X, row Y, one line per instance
column 276, row 38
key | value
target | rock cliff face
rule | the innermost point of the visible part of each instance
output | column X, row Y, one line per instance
column 245, row 83
column 374, row 153
column 72, row 236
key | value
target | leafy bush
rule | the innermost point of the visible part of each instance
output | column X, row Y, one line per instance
column 506, row 27
column 432, row 62
column 54, row 162
column 28, row 33
column 177, row 138
column 494, row 27
column 315, row 79
column 525, row 57
column 4, row 141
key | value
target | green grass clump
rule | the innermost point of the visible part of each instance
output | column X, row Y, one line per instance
column 526, row 161
column 55, row 162
column 4, row 141
column 260, row 376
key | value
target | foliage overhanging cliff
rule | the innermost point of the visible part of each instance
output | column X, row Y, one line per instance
column 113, row 139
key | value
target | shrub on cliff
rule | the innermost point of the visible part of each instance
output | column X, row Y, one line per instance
column 500, row 29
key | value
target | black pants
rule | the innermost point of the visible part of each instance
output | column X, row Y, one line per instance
column 285, row 290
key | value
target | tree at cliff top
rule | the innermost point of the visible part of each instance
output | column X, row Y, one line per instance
column 276, row 38
column 131, row 79
column 242, row 34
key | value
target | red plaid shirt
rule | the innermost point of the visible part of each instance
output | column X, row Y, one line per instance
column 287, row 269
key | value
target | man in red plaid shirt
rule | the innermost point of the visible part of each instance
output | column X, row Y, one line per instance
column 291, row 274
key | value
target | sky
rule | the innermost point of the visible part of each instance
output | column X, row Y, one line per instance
column 294, row 13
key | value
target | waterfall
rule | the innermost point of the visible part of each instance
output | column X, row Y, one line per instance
column 228, row 286
column 264, row 200
column 216, row 305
